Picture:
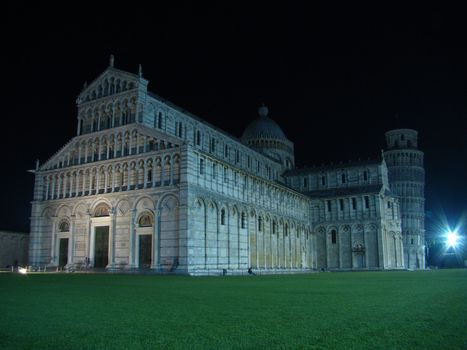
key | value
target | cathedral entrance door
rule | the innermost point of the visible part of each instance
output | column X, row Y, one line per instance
column 360, row 261
column 63, row 252
column 101, row 247
column 145, row 251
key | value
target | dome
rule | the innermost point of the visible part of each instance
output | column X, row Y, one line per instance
column 263, row 127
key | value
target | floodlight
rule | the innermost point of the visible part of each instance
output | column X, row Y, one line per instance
column 452, row 239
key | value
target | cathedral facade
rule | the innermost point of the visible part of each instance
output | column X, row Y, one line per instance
column 145, row 185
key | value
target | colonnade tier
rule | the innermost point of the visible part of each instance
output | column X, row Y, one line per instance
column 160, row 170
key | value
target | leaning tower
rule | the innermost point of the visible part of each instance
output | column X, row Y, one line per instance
column 407, row 180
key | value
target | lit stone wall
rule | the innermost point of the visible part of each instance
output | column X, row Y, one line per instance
column 13, row 248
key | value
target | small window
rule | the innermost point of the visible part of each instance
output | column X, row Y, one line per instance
column 367, row 202
column 286, row 230
column 149, row 175
column 365, row 175
column 201, row 166
column 323, row 180
column 226, row 175
column 223, row 217
column 328, row 203
column 243, row 221
column 198, row 138
column 159, row 120
column 274, row 227
column 354, row 203
column 341, row 204
column 343, row 178
column 226, row 151
column 212, row 145
column 305, row 182
column 260, row 223
column 249, row 161
column 237, row 156
column 333, row 237
column 214, row 171
column 411, row 241
column 389, row 205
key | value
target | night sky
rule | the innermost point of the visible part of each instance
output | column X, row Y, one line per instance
column 334, row 78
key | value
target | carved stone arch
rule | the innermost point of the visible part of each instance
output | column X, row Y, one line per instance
column 48, row 213
column 167, row 199
column 99, row 201
column 344, row 228
column 357, row 227
column 252, row 212
column 371, row 227
column 330, row 228
column 233, row 210
column 198, row 204
column 80, row 210
column 63, row 210
column 268, row 218
column 144, row 203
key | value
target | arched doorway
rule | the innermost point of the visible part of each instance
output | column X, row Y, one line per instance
column 62, row 243
column 144, row 232
column 100, row 250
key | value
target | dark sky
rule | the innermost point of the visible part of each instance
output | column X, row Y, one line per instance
column 335, row 78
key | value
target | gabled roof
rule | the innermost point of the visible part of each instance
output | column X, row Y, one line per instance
column 107, row 72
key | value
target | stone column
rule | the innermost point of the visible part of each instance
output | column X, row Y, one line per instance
column 131, row 262
column 71, row 245
column 53, row 243
column 89, row 243
column 111, row 265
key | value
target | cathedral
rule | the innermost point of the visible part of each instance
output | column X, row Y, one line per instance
column 147, row 186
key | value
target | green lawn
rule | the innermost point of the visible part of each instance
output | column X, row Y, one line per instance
column 367, row 310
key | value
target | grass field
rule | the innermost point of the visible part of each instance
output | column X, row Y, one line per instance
column 373, row 310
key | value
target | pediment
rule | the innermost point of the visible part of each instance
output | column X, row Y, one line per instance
column 112, row 81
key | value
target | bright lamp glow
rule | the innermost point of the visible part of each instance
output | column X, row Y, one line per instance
column 22, row 270
column 452, row 239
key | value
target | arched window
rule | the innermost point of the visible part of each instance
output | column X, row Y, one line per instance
column 101, row 210
column 323, row 180
column 243, row 221
column 343, row 178
column 223, row 216
column 333, row 237
column 64, row 226
column 159, row 120
column 260, row 223
column 286, row 230
column 365, row 175
column 145, row 220
column 274, row 227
